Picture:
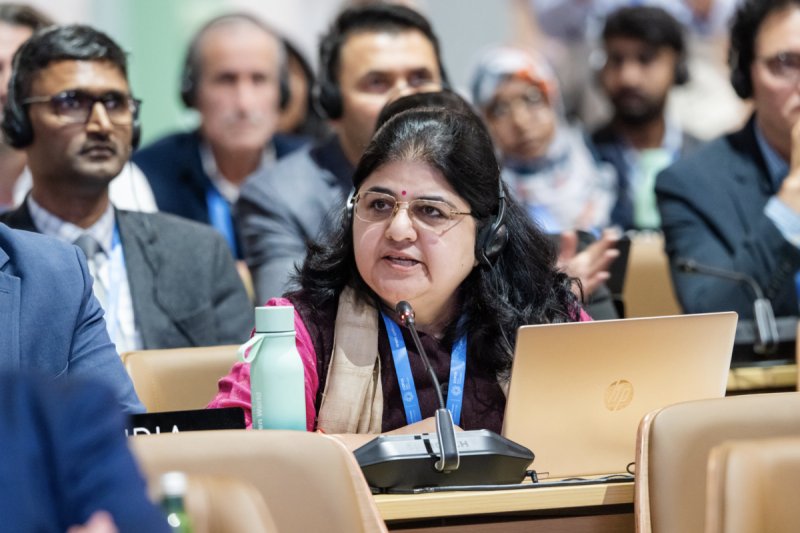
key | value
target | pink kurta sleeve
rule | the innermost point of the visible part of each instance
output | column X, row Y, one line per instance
column 234, row 389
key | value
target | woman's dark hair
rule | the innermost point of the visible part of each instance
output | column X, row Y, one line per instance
column 522, row 287
column 744, row 29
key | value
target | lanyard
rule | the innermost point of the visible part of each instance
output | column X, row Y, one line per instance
column 408, row 391
column 797, row 284
column 115, row 270
column 219, row 213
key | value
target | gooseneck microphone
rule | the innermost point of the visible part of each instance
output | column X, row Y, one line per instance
column 445, row 429
column 767, row 338
column 403, row 463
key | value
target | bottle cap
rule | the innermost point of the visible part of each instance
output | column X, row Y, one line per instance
column 276, row 319
column 173, row 483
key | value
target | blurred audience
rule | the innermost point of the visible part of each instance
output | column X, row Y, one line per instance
column 546, row 162
column 735, row 203
column 300, row 116
column 368, row 53
column 163, row 281
column 645, row 56
column 568, row 32
column 17, row 23
column 235, row 75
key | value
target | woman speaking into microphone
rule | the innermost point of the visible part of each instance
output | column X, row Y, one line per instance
column 429, row 223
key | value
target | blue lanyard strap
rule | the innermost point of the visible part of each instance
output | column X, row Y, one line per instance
column 219, row 213
column 408, row 391
column 116, row 269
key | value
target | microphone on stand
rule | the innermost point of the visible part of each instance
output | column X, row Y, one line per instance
column 445, row 429
column 767, row 337
column 404, row 462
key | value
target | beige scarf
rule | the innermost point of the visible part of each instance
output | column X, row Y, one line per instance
column 352, row 401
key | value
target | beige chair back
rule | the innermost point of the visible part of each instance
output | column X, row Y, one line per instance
column 223, row 504
column 309, row 481
column 673, row 446
column 753, row 486
column 178, row 379
column 648, row 286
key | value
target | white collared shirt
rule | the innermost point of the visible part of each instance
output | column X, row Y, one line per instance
column 110, row 269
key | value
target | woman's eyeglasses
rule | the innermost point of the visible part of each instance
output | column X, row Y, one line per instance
column 432, row 215
column 76, row 106
column 531, row 100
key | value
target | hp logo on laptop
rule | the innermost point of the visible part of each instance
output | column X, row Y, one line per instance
column 619, row 395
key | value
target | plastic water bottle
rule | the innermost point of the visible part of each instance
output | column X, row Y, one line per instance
column 277, row 377
column 173, row 488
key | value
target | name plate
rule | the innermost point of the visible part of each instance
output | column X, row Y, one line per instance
column 177, row 421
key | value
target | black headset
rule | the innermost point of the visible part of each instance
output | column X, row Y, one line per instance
column 189, row 75
column 740, row 78
column 16, row 124
column 681, row 76
column 493, row 237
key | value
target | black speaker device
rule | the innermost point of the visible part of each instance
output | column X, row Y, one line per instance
column 441, row 459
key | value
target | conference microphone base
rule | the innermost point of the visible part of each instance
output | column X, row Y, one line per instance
column 404, row 462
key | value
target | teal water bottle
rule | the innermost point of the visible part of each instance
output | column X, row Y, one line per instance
column 277, row 378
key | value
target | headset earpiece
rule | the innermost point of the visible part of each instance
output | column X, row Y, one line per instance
column 136, row 132
column 681, row 71
column 494, row 237
column 16, row 125
column 349, row 206
column 740, row 80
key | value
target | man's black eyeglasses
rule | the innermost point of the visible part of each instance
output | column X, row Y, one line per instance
column 76, row 106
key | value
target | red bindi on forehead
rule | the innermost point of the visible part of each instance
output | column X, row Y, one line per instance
column 403, row 193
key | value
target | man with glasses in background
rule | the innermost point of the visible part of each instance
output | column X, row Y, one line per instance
column 735, row 203
column 163, row 282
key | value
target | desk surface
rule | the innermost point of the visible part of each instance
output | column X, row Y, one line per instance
column 442, row 504
column 757, row 378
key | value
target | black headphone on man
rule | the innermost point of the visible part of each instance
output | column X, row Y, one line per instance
column 740, row 75
column 16, row 124
column 191, row 70
column 327, row 96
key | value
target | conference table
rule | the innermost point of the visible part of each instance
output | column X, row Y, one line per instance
column 596, row 508
column 606, row 507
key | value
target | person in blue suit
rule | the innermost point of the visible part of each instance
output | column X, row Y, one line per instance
column 65, row 460
column 735, row 203
column 50, row 322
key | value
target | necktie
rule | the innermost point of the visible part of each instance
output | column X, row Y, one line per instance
column 91, row 248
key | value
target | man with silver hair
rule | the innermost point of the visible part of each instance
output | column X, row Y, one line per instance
column 235, row 77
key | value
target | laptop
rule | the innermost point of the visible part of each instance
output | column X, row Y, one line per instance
column 578, row 391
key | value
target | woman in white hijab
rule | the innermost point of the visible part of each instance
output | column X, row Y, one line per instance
column 546, row 162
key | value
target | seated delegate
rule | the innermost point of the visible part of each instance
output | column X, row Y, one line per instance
column 429, row 223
